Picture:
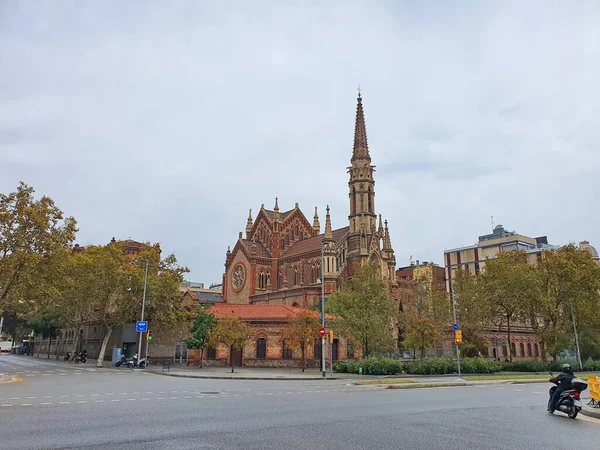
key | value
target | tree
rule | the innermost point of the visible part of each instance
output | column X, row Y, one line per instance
column 508, row 285
column 569, row 292
column 231, row 332
column 365, row 309
column 118, row 281
column 471, row 313
column 203, row 324
column 301, row 333
column 425, row 315
column 30, row 232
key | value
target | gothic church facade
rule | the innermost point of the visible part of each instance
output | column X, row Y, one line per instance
column 278, row 261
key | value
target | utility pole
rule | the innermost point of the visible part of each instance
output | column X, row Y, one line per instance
column 143, row 307
column 576, row 341
column 323, row 310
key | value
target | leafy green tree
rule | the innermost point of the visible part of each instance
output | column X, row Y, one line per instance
column 301, row 333
column 30, row 232
column 508, row 285
column 569, row 291
column 365, row 310
column 203, row 324
column 231, row 332
column 425, row 315
column 471, row 313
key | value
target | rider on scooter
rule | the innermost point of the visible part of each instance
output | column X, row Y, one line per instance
column 563, row 383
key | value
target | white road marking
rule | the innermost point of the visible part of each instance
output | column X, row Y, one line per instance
column 31, row 397
column 173, row 397
column 537, row 392
column 98, row 401
column 46, row 374
column 48, row 396
column 131, row 399
column 160, row 398
column 29, row 375
column 518, row 390
column 15, row 398
column 64, row 403
column 94, row 395
column 183, row 397
column 46, row 403
column 25, row 404
column 500, row 389
column 82, row 401
column 149, row 392
column 64, row 396
column 115, row 400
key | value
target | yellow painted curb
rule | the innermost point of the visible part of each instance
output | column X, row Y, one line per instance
column 12, row 380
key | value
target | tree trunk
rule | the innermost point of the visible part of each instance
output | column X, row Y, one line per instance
column 231, row 356
column 303, row 359
column 49, row 346
column 510, row 352
column 104, row 344
column 76, row 341
column 201, row 356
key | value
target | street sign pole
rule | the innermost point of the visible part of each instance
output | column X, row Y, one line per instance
column 331, row 358
column 454, row 313
column 323, row 311
column 143, row 306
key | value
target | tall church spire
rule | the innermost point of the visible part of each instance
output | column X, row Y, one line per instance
column 361, row 148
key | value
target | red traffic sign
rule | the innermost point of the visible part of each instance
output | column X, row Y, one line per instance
column 322, row 332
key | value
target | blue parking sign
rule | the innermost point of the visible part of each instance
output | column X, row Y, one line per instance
column 455, row 326
column 141, row 327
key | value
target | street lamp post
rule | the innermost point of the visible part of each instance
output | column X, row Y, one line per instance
column 143, row 307
column 454, row 313
column 322, row 310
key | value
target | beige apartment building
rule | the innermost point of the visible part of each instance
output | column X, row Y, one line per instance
column 472, row 257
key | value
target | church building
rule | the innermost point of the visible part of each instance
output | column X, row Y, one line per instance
column 278, row 261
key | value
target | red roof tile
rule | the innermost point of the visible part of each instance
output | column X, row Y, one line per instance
column 261, row 250
column 282, row 215
column 313, row 243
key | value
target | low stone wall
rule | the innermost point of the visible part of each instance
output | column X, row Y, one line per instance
column 276, row 363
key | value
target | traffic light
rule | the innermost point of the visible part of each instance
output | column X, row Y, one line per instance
column 330, row 335
column 459, row 336
column 149, row 335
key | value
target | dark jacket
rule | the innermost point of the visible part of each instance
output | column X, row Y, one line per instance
column 563, row 380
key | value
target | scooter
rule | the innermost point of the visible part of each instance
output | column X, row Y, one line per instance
column 570, row 400
column 129, row 363
column 141, row 364
column 81, row 357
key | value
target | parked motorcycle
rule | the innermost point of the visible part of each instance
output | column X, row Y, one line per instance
column 129, row 363
column 68, row 356
column 81, row 357
column 570, row 400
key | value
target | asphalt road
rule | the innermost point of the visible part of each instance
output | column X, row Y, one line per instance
column 77, row 406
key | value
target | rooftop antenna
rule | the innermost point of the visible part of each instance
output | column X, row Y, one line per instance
column 492, row 222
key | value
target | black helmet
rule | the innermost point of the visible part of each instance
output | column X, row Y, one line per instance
column 567, row 368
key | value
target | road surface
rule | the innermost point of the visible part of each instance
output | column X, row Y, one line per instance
column 66, row 405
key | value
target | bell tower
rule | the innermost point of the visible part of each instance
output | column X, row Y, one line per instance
column 361, row 186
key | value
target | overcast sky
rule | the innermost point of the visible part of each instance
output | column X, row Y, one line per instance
column 167, row 121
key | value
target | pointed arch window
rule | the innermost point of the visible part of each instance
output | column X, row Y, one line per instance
column 353, row 200
column 268, row 279
column 362, row 203
column 370, row 201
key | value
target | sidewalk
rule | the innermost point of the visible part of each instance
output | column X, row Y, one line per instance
column 588, row 410
column 247, row 373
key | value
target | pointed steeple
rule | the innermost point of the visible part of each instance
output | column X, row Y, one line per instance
column 387, row 243
column 316, row 223
column 380, row 230
column 249, row 224
column 328, row 231
column 361, row 149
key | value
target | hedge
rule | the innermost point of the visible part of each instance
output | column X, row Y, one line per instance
column 440, row 366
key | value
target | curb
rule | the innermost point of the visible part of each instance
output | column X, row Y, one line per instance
column 590, row 412
column 423, row 385
column 224, row 377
